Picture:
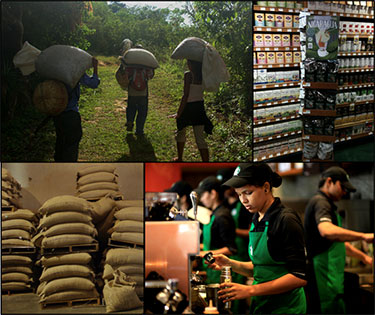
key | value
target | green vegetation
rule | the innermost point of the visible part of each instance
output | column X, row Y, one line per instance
column 99, row 28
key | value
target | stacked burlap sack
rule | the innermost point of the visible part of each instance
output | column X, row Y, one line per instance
column 66, row 277
column 10, row 190
column 128, row 261
column 128, row 226
column 16, row 272
column 95, row 182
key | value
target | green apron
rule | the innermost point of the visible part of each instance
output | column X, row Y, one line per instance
column 329, row 274
column 266, row 269
column 213, row 276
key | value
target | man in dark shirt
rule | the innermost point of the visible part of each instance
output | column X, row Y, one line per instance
column 325, row 243
column 219, row 235
column 68, row 123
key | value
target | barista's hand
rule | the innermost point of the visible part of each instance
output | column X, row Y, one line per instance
column 367, row 260
column 220, row 261
column 233, row 291
column 368, row 237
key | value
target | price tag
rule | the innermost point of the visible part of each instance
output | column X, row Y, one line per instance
column 337, row 141
column 291, row 10
column 255, row 160
column 370, row 133
column 276, row 49
column 268, row 104
column 320, row 12
column 277, row 85
column 263, row 9
column 285, row 85
column 287, row 65
column 284, row 118
column 291, row 151
column 278, row 154
column 292, row 117
column 259, row 123
column 355, row 54
column 334, row 14
column 307, row 84
column 361, row 16
column 292, row 133
column 268, row 29
column 278, row 136
column 270, row 66
column 284, row 102
column 271, row 156
column 258, row 29
column 272, row 9
column 279, row 30
column 264, row 86
column 342, row 139
column 277, row 119
column 289, row 30
column 267, row 49
column 267, row 121
column 349, row 138
column 269, row 138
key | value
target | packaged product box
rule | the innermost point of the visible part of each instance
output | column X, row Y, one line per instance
column 262, row 3
column 295, row 40
column 271, row 77
column 258, row 40
column 281, row 4
column 279, row 20
column 296, row 57
column 259, row 19
column 255, row 58
column 268, row 40
column 271, row 57
column 296, row 21
column 271, row 3
column 262, row 76
column 285, row 40
column 288, row 57
column 357, row 28
column 291, row 4
column 288, row 20
column 270, row 19
column 279, row 57
column 276, row 40
column 262, row 58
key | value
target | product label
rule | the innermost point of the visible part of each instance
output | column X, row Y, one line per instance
column 276, row 40
column 268, row 40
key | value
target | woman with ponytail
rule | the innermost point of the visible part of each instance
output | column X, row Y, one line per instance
column 276, row 247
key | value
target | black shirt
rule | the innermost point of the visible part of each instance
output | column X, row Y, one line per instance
column 285, row 237
column 319, row 209
column 223, row 230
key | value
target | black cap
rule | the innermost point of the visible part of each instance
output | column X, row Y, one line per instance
column 337, row 173
column 224, row 174
column 181, row 187
column 253, row 174
column 207, row 184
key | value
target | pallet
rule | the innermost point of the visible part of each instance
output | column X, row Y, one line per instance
column 84, row 248
column 18, row 250
column 71, row 303
column 114, row 243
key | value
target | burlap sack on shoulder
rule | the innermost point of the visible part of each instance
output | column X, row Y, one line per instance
column 120, row 295
column 98, row 186
column 67, row 240
column 14, row 286
column 64, row 217
column 67, row 284
column 96, row 169
column 71, row 228
column 18, row 260
column 15, row 233
column 24, row 214
column 17, row 224
column 22, row 269
column 130, row 203
column 15, row 277
column 65, row 203
column 128, row 237
column 65, row 271
column 123, row 256
column 69, row 295
column 16, row 242
column 130, row 213
column 128, row 226
column 97, row 177
column 66, row 259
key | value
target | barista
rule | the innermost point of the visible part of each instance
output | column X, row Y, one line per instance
column 325, row 243
column 183, row 190
column 276, row 247
column 219, row 234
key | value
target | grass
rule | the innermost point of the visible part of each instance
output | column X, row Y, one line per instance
column 103, row 112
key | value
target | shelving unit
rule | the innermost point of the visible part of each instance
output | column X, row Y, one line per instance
column 288, row 142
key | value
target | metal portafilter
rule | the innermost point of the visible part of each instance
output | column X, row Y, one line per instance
column 194, row 198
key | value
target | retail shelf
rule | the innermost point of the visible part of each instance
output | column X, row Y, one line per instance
column 341, row 14
column 291, row 101
column 355, row 86
column 270, row 156
column 283, row 135
column 275, row 85
column 318, row 138
column 355, row 103
column 353, row 123
column 274, row 120
column 276, row 29
column 320, row 85
column 356, row 70
column 289, row 48
column 319, row 112
column 358, row 53
column 351, row 35
column 276, row 65
column 353, row 137
column 275, row 9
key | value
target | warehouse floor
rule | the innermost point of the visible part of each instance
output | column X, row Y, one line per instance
column 28, row 303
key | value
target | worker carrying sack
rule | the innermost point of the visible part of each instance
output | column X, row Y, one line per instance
column 214, row 70
column 64, row 63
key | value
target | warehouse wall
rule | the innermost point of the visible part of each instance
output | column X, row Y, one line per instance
column 41, row 181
